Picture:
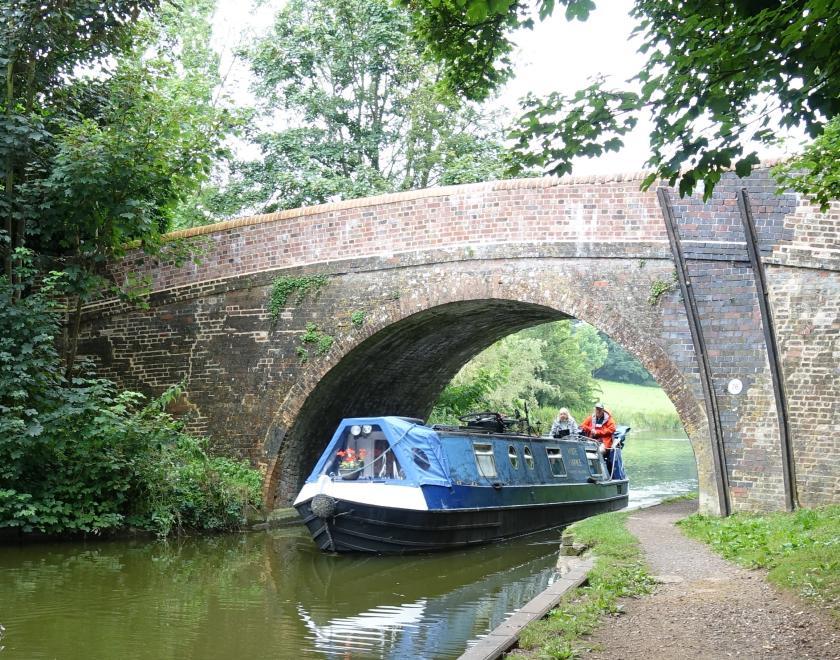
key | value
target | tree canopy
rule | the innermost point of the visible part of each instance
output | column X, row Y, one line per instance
column 108, row 122
column 719, row 77
column 547, row 367
column 40, row 49
column 349, row 108
column 109, row 119
column 620, row 366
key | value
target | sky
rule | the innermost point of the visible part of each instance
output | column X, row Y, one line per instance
column 556, row 55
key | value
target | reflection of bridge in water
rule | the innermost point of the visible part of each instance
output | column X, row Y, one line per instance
column 438, row 275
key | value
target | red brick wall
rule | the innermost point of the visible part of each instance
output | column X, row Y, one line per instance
column 585, row 247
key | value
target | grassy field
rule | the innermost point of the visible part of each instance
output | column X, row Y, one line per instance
column 639, row 406
column 800, row 549
column 643, row 408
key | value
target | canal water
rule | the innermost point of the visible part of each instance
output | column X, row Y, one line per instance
column 272, row 595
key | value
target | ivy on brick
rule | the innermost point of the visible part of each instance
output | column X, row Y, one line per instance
column 284, row 286
column 659, row 288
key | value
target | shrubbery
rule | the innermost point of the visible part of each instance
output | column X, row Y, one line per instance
column 83, row 457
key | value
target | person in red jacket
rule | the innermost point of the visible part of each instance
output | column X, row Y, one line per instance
column 599, row 426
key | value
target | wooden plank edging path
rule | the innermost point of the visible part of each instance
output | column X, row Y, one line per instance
column 504, row 636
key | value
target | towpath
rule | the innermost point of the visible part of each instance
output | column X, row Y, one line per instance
column 706, row 607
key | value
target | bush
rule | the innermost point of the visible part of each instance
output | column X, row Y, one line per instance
column 82, row 457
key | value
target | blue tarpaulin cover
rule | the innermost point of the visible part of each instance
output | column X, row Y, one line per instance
column 406, row 439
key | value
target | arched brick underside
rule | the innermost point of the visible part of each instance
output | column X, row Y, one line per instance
column 400, row 370
column 413, row 349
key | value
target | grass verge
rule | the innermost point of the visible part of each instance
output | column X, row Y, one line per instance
column 680, row 498
column 618, row 572
column 801, row 550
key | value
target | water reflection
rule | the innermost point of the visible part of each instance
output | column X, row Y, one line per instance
column 659, row 465
column 261, row 596
column 440, row 625
column 273, row 595
column 374, row 632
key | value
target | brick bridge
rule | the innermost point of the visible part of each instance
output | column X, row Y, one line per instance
column 419, row 282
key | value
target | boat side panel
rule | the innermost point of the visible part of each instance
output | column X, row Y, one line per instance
column 475, row 497
column 464, row 469
column 365, row 528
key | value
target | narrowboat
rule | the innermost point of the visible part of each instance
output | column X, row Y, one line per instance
column 395, row 485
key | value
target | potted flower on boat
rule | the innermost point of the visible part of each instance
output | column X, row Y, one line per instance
column 352, row 463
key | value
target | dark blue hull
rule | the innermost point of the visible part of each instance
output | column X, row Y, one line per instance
column 457, row 517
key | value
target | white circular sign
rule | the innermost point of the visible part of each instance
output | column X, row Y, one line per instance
column 735, row 386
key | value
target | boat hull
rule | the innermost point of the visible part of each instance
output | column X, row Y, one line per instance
column 339, row 525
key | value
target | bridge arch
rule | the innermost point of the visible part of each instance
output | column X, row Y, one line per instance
column 410, row 352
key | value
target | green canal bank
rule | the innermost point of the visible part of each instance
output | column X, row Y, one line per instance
column 685, row 601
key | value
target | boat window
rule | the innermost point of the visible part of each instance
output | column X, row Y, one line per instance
column 594, row 464
column 355, row 455
column 529, row 458
column 555, row 461
column 385, row 464
column 485, row 460
column 514, row 457
column 420, row 458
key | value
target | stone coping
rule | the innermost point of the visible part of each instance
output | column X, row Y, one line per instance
column 425, row 193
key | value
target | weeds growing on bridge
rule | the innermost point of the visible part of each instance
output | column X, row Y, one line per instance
column 358, row 318
column 659, row 288
column 322, row 341
column 284, row 286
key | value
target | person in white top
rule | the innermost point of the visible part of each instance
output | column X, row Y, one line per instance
column 564, row 424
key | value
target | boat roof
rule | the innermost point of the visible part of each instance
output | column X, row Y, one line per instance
column 408, row 438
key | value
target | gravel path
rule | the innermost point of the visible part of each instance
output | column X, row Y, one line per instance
column 705, row 607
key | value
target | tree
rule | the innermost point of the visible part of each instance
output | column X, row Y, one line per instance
column 87, row 458
column 360, row 113
column 547, row 366
column 718, row 75
column 40, row 48
column 103, row 132
column 591, row 344
column 816, row 173
column 567, row 367
column 622, row 367
column 110, row 151
column 512, row 365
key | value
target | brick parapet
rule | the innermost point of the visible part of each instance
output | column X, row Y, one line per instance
column 527, row 211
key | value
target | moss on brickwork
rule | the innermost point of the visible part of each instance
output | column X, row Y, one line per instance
column 284, row 286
